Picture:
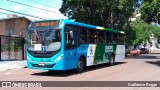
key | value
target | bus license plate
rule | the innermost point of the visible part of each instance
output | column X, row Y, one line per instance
column 41, row 64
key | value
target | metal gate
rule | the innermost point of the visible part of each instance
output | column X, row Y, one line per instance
column 12, row 48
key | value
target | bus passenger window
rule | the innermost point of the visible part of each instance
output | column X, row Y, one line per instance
column 82, row 39
column 67, row 37
column 83, row 35
column 108, row 37
column 115, row 38
column 73, row 35
column 101, row 38
column 70, row 37
column 93, row 36
column 121, row 39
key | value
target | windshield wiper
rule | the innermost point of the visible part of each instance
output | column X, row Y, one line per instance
column 48, row 33
column 36, row 33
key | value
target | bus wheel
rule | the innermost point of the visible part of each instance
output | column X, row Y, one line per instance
column 51, row 71
column 111, row 61
column 80, row 65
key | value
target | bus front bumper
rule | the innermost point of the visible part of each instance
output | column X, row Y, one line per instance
column 45, row 66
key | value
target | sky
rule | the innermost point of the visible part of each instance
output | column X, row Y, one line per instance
column 51, row 5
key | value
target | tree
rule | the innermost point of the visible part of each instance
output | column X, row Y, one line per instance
column 150, row 10
column 113, row 14
column 143, row 31
column 137, row 3
column 107, row 13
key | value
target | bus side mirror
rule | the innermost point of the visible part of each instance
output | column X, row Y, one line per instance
column 72, row 37
column 71, row 34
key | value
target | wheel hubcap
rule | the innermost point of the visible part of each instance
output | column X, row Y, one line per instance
column 111, row 60
column 80, row 64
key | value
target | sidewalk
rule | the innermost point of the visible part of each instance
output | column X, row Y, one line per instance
column 156, row 51
column 7, row 65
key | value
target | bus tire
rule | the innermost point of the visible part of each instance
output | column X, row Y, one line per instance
column 80, row 65
column 111, row 61
column 51, row 71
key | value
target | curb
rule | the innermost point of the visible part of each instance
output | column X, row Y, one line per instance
column 6, row 69
column 9, row 65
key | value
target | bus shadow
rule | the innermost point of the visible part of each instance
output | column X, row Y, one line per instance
column 154, row 53
column 105, row 65
column 156, row 63
column 73, row 72
column 143, row 56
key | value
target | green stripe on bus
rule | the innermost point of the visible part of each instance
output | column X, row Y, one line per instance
column 103, row 52
column 111, row 30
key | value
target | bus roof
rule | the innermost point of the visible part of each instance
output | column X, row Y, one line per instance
column 68, row 21
column 92, row 26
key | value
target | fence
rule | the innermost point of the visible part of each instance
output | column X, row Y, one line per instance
column 12, row 48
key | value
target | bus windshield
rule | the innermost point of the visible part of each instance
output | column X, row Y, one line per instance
column 44, row 40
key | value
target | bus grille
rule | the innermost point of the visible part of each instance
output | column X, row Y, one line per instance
column 42, row 54
column 45, row 66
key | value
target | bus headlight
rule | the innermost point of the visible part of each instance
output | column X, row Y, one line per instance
column 58, row 58
column 28, row 58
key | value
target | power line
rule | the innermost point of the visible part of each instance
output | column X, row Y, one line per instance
column 32, row 18
column 22, row 13
column 45, row 3
column 53, row 4
column 32, row 6
column 3, row 13
column 26, row 10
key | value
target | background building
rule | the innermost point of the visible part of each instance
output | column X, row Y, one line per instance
column 13, row 47
column 14, row 26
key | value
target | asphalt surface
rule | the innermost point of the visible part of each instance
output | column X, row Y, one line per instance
column 145, row 67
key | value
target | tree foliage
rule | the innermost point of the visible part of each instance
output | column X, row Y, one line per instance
column 113, row 14
column 150, row 10
column 144, row 31
column 137, row 3
column 107, row 13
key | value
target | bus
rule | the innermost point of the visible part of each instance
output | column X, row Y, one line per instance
column 65, row 44
column 158, row 43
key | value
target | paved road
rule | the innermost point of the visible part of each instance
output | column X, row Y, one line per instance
column 133, row 68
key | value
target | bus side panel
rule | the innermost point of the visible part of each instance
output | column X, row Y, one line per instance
column 120, row 53
column 103, row 53
column 100, row 53
column 70, row 59
column 72, row 56
column 101, row 56
column 91, row 54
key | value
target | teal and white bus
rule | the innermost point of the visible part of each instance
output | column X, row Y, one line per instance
column 66, row 44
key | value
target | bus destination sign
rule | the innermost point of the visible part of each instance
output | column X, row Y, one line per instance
column 45, row 24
